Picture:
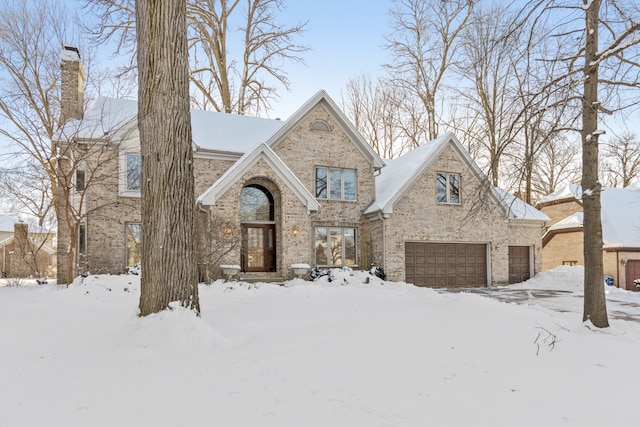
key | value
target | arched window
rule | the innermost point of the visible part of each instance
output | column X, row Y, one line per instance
column 256, row 204
column 320, row 125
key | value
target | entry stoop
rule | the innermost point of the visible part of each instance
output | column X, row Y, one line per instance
column 274, row 278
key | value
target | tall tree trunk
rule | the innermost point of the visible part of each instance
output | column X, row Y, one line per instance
column 595, row 308
column 169, row 269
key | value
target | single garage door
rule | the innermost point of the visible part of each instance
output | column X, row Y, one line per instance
column 519, row 264
column 632, row 272
column 446, row 265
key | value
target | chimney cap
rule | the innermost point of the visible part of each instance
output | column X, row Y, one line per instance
column 70, row 53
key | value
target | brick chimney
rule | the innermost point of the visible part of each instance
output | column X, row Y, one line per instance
column 71, row 84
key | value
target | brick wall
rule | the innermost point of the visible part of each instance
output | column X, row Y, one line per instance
column 417, row 217
column 563, row 247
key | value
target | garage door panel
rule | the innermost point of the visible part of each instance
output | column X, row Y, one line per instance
column 448, row 265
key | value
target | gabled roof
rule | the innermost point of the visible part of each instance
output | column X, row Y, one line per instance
column 45, row 247
column 244, row 165
column 620, row 219
column 322, row 98
column 399, row 174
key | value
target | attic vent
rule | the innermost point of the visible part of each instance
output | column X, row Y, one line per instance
column 320, row 125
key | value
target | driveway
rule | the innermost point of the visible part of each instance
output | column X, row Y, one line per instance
column 621, row 305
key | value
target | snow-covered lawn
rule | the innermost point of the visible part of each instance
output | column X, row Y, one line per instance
column 311, row 354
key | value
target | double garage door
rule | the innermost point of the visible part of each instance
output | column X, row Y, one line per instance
column 458, row 265
column 446, row 265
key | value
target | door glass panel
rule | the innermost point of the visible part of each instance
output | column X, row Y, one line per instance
column 255, row 248
column 349, row 246
column 321, row 246
column 336, row 245
column 256, row 204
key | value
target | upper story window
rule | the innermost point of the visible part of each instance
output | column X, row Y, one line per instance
column 335, row 183
column 320, row 126
column 79, row 180
column 448, row 188
column 134, row 172
column 130, row 174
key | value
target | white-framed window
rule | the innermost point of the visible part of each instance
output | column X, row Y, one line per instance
column 79, row 180
column 130, row 174
column 133, row 243
column 448, row 188
column 335, row 183
column 335, row 246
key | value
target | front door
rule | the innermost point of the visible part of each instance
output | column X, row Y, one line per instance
column 258, row 247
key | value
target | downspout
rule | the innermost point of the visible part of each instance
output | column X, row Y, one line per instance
column 384, row 242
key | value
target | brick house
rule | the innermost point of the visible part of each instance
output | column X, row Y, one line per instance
column 26, row 250
column 563, row 242
column 311, row 191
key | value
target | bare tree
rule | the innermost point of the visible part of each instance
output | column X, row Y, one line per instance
column 217, row 238
column 169, row 267
column 605, row 60
column 622, row 160
column 556, row 163
column 237, row 49
column 423, row 44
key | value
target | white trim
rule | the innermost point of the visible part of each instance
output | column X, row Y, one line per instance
column 244, row 165
column 123, row 191
column 341, row 120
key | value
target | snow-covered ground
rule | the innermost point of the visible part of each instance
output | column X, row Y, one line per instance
column 313, row 354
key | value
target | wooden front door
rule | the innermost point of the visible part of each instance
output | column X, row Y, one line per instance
column 258, row 247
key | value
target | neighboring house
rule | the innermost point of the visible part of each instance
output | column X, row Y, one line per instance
column 26, row 250
column 310, row 190
column 563, row 242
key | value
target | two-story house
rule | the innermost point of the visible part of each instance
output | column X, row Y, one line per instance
column 310, row 190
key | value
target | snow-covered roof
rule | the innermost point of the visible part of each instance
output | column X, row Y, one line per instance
column 521, row 209
column 210, row 130
column 620, row 218
column 569, row 191
column 399, row 173
column 572, row 221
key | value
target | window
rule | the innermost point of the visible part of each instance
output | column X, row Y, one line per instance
column 133, row 239
column 335, row 184
column 570, row 263
column 335, row 246
column 134, row 172
column 448, row 188
column 79, row 180
column 256, row 204
column 82, row 240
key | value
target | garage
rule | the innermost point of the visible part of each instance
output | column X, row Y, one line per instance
column 519, row 264
column 446, row 265
column 632, row 272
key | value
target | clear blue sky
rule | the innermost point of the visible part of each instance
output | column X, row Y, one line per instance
column 346, row 39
